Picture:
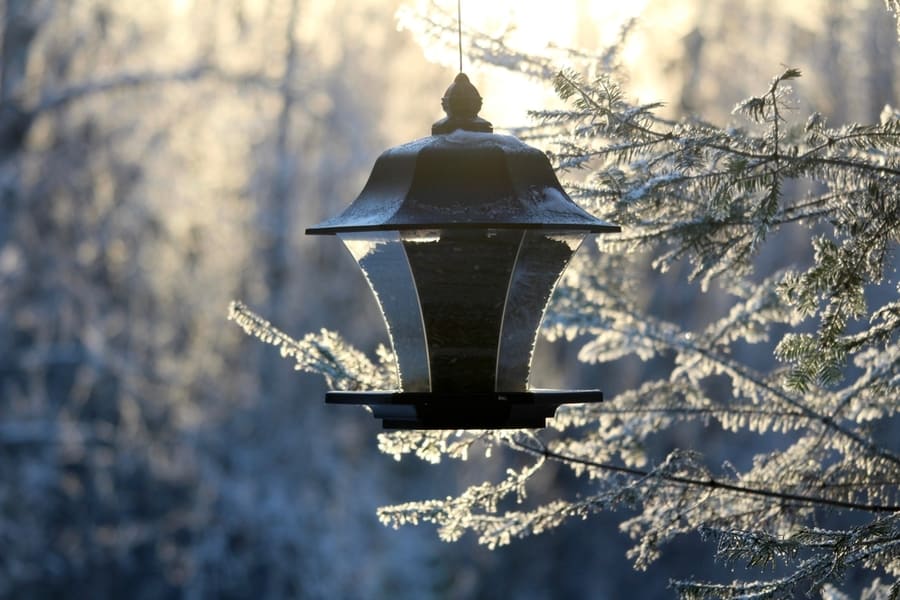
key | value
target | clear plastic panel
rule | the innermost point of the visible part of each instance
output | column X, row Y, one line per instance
column 381, row 257
column 462, row 278
column 541, row 261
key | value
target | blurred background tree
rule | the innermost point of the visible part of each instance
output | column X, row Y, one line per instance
column 157, row 160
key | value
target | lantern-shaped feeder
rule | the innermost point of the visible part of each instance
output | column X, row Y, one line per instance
column 462, row 237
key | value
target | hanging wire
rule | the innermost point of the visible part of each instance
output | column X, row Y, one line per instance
column 459, row 30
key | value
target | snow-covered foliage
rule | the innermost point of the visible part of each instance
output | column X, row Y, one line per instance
column 823, row 494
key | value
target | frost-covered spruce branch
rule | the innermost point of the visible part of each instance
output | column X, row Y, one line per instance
column 832, row 553
column 709, row 482
column 739, row 177
column 470, row 511
column 619, row 327
column 325, row 353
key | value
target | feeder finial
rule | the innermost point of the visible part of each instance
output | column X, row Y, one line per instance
column 461, row 102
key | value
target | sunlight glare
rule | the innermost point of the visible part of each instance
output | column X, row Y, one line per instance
column 181, row 7
column 533, row 26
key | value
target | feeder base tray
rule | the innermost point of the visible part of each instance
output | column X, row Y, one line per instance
column 464, row 410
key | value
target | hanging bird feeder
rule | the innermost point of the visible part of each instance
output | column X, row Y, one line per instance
column 462, row 237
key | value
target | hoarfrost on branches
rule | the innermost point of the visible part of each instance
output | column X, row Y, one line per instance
column 713, row 197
